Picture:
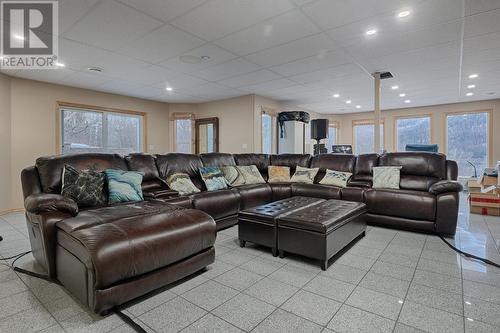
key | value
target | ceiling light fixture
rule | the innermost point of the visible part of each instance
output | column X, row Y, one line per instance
column 348, row 101
column 407, row 101
column 358, row 106
column 402, row 95
column 169, row 89
column 471, row 86
column 336, row 95
column 473, row 76
column 371, row 32
column 404, row 13
column 395, row 87
column 469, row 94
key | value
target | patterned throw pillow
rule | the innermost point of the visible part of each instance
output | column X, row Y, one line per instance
column 213, row 178
column 233, row 175
column 181, row 183
column 251, row 174
column 386, row 177
column 337, row 178
column 278, row 174
column 85, row 187
column 124, row 186
column 304, row 175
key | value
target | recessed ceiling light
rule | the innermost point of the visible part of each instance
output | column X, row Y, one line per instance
column 371, row 32
column 402, row 95
column 404, row 13
column 169, row 89
column 336, row 95
column 358, row 106
column 348, row 101
column 60, row 64
column 395, row 87
column 471, row 86
column 407, row 101
column 473, row 76
column 469, row 94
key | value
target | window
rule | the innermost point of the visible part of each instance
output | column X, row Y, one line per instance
column 88, row 130
column 267, row 133
column 468, row 141
column 364, row 135
column 415, row 130
column 183, row 136
column 332, row 138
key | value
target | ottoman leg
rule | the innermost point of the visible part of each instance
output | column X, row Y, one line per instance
column 242, row 243
column 282, row 254
column 275, row 251
column 324, row 264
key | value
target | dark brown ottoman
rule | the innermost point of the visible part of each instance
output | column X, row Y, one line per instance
column 258, row 224
column 322, row 230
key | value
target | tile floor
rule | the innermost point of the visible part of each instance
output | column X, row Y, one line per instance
column 390, row 281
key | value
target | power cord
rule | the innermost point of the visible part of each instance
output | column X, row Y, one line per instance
column 469, row 255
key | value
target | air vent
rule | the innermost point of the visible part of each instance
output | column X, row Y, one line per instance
column 95, row 69
column 386, row 75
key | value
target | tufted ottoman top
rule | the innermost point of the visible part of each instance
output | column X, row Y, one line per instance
column 268, row 212
column 323, row 217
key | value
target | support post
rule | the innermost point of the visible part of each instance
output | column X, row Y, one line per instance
column 376, row 109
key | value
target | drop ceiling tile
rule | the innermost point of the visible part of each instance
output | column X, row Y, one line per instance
column 268, row 86
column 70, row 11
column 302, row 48
column 481, row 24
column 179, row 81
column 216, row 54
column 45, row 75
column 329, row 74
column 319, row 61
column 259, row 76
column 84, row 80
column 110, row 25
column 80, row 56
column 478, row 6
column 161, row 44
column 226, row 70
column 218, row 18
column 278, row 30
column 120, row 87
column 482, row 42
column 164, row 10
column 211, row 90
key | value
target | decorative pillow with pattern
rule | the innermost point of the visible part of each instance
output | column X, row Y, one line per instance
column 278, row 174
column 386, row 177
column 233, row 175
column 304, row 175
column 337, row 178
column 124, row 186
column 251, row 174
column 85, row 187
column 181, row 183
column 213, row 178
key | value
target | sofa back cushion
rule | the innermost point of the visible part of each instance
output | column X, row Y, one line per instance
column 50, row 168
column 419, row 169
column 185, row 163
column 291, row 160
column 259, row 160
column 144, row 163
column 336, row 162
column 363, row 169
column 217, row 159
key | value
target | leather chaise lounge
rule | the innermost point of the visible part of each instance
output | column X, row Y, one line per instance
column 106, row 256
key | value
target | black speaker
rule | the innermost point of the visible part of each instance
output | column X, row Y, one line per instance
column 319, row 129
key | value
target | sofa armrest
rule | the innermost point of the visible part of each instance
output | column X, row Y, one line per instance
column 445, row 186
column 44, row 202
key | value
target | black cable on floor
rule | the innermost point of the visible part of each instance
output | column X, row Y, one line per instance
column 129, row 321
column 468, row 255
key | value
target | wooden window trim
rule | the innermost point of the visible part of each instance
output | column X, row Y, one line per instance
column 413, row 116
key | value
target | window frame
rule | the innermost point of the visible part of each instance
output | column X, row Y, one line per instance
column 336, row 125
column 489, row 112
column 356, row 122
column 60, row 105
column 183, row 116
column 413, row 116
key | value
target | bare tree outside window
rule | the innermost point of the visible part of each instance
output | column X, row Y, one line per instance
column 332, row 138
column 267, row 134
column 183, row 136
column 364, row 135
column 413, row 131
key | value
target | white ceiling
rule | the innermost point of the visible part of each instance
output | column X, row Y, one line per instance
column 297, row 51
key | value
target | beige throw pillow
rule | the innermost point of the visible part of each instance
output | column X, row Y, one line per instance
column 386, row 177
column 251, row 174
column 233, row 175
column 278, row 174
column 337, row 178
column 304, row 175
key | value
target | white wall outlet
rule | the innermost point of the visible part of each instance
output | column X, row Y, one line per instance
column 244, row 146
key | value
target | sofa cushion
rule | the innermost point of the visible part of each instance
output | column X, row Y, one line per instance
column 338, row 162
column 291, row 160
column 304, row 175
column 280, row 191
column 181, row 182
column 144, row 163
column 218, row 204
column 232, row 175
column 217, row 159
column 337, row 178
column 251, row 174
column 353, row 193
column 184, row 163
column 259, row 160
column 116, row 247
column 254, row 195
column 364, row 165
column 386, row 177
column 278, row 174
column 50, row 168
column 85, row 187
column 124, row 186
column 316, row 191
column 401, row 203
column 213, row 178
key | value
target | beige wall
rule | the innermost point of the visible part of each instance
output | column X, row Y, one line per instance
column 33, row 122
column 5, row 142
column 437, row 122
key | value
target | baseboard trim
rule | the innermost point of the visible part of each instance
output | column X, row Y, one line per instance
column 12, row 210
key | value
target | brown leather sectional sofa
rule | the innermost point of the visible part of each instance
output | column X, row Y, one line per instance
column 109, row 255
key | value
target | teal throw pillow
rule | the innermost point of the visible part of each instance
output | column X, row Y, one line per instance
column 124, row 186
column 213, row 178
